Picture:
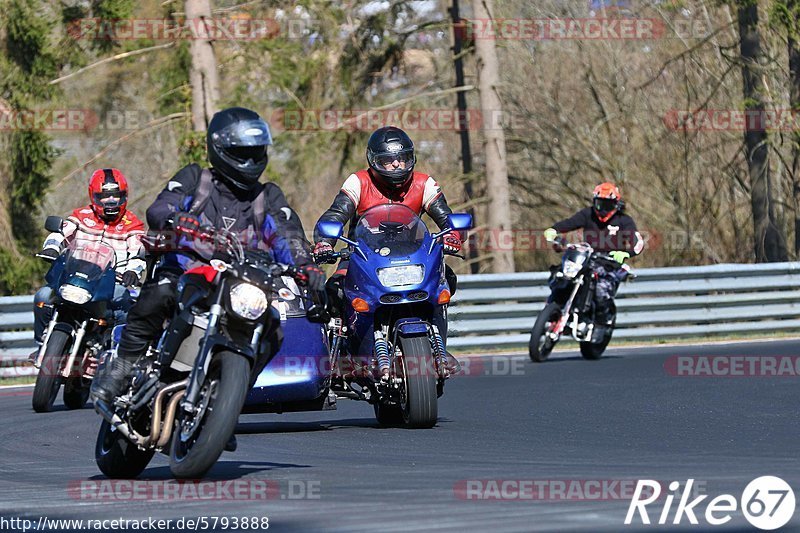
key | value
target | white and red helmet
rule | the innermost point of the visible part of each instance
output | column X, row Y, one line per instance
column 108, row 192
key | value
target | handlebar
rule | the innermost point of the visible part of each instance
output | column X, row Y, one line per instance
column 332, row 257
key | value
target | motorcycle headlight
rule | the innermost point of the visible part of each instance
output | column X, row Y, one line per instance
column 571, row 268
column 401, row 275
column 76, row 295
column 248, row 301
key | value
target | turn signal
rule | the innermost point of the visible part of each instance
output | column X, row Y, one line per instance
column 360, row 305
column 40, row 305
column 444, row 297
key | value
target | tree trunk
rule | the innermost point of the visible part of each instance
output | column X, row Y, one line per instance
column 794, row 103
column 494, row 144
column 203, row 75
column 463, row 126
column 770, row 242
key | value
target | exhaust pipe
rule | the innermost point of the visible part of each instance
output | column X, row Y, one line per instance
column 155, row 430
column 169, row 419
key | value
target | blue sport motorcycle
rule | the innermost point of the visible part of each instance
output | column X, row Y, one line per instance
column 82, row 279
column 388, row 347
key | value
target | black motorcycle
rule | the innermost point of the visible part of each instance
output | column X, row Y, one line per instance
column 82, row 279
column 186, row 393
column 571, row 305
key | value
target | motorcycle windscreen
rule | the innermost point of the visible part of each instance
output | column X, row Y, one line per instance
column 390, row 229
column 88, row 259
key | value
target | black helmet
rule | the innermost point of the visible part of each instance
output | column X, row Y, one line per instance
column 237, row 143
column 386, row 145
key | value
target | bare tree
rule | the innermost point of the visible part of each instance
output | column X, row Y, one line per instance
column 770, row 243
column 494, row 140
column 203, row 75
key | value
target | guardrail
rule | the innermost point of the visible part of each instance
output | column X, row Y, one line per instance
column 498, row 310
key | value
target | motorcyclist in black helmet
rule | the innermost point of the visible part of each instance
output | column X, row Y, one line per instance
column 228, row 195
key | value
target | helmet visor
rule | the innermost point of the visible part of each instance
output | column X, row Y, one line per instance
column 110, row 199
column 247, row 153
column 605, row 205
column 390, row 160
column 246, row 133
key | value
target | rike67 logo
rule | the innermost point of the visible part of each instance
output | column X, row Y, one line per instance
column 767, row 503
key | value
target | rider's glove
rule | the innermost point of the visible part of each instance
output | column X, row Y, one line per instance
column 315, row 277
column 48, row 254
column 186, row 223
column 452, row 244
column 130, row 278
column 619, row 256
column 550, row 234
column 323, row 252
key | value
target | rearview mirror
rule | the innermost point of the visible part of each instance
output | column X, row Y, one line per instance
column 330, row 229
column 459, row 221
column 53, row 224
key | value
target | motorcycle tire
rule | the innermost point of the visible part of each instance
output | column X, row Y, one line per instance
column 540, row 346
column 48, row 380
column 420, row 408
column 117, row 457
column 192, row 457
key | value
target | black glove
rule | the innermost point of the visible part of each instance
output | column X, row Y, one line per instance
column 48, row 254
column 185, row 222
column 130, row 278
column 323, row 253
column 315, row 281
column 315, row 277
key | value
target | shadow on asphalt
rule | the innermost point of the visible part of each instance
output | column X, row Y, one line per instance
column 573, row 358
column 267, row 427
column 221, row 470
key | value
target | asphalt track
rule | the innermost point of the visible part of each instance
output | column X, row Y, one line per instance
column 622, row 418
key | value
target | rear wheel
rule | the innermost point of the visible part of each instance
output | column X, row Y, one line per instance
column 198, row 440
column 116, row 456
column 540, row 344
column 48, row 381
column 594, row 351
column 420, row 406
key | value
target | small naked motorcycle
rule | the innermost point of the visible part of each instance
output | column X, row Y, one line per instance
column 186, row 392
column 571, row 307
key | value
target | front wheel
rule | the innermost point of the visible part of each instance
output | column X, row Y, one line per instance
column 420, row 407
column 48, row 381
column 540, row 345
column 198, row 440
column 116, row 456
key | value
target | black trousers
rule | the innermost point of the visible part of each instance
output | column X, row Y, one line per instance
column 157, row 303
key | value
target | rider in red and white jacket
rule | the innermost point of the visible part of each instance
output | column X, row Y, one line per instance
column 390, row 179
column 105, row 219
